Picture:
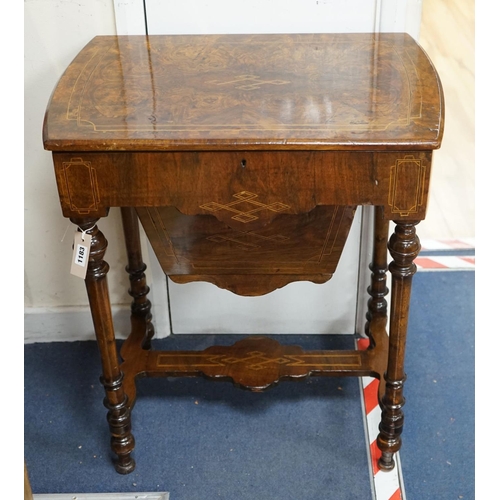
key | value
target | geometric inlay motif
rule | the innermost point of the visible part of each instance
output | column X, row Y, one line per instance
column 249, row 82
column 244, row 207
column 407, row 172
column 80, row 183
column 255, row 360
column 256, row 363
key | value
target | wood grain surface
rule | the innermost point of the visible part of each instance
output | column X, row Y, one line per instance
column 317, row 91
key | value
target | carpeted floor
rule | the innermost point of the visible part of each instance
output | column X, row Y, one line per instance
column 438, row 441
column 204, row 440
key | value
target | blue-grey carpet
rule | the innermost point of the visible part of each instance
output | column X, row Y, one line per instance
column 195, row 438
column 438, row 439
column 206, row 440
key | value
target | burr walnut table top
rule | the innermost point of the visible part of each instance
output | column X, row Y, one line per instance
column 211, row 92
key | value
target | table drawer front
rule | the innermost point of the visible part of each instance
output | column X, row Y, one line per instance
column 243, row 188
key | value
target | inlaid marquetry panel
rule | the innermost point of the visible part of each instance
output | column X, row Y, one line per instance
column 290, row 244
column 339, row 91
column 80, row 184
column 412, row 171
column 245, row 207
column 257, row 363
column 245, row 190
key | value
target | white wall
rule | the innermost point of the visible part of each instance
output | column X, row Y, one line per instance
column 272, row 16
column 55, row 30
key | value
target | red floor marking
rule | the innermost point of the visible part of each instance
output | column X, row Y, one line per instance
column 396, row 496
column 371, row 396
column 363, row 344
column 426, row 263
column 471, row 260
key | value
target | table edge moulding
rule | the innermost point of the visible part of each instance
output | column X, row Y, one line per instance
column 245, row 157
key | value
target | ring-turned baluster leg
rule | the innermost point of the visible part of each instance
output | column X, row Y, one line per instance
column 122, row 440
column 377, row 305
column 139, row 290
column 404, row 246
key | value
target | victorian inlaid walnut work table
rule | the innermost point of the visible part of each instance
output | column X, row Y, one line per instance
column 222, row 144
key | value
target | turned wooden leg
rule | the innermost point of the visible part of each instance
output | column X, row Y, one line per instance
column 122, row 441
column 377, row 305
column 404, row 246
column 138, row 290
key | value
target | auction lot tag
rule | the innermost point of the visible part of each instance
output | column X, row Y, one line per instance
column 81, row 252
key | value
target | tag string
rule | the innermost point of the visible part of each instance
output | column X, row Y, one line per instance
column 64, row 235
column 83, row 231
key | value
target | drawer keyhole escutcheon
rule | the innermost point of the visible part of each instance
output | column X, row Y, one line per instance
column 243, row 163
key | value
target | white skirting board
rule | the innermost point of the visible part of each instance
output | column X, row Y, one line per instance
column 70, row 324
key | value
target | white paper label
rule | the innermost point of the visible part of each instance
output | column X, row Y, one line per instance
column 81, row 251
